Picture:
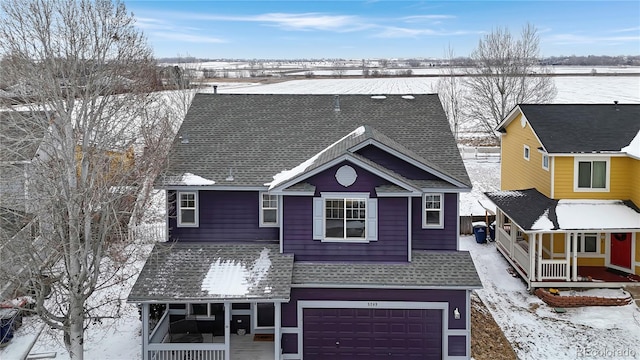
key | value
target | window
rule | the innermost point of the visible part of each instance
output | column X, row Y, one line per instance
column 591, row 175
column 187, row 209
column 545, row 161
column 264, row 315
column 527, row 152
column 268, row 210
column 433, row 211
column 587, row 243
column 345, row 217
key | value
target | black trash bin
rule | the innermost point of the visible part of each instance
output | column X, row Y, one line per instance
column 480, row 231
column 7, row 317
column 492, row 231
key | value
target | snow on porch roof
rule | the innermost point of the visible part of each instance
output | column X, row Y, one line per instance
column 533, row 211
column 182, row 272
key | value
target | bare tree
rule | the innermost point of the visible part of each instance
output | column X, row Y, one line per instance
column 506, row 72
column 83, row 70
column 451, row 93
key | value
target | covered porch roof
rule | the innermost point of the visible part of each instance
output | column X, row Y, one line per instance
column 532, row 211
column 200, row 272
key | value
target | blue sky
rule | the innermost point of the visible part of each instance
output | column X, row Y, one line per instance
column 353, row 29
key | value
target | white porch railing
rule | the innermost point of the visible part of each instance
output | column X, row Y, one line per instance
column 522, row 258
column 503, row 238
column 553, row 270
column 186, row 351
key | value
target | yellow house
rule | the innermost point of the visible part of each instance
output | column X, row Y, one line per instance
column 567, row 213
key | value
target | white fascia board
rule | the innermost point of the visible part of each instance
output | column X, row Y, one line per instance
column 212, row 187
column 407, row 159
column 509, row 118
column 396, row 287
column 207, row 301
column 399, row 194
column 345, row 157
column 592, row 154
column 446, row 190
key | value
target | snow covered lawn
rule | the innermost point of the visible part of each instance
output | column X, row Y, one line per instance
column 537, row 332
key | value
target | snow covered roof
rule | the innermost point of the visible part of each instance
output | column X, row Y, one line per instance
column 633, row 149
column 581, row 128
column 254, row 137
column 199, row 271
column 426, row 269
column 533, row 211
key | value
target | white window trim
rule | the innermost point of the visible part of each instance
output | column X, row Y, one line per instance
column 526, row 153
column 545, row 156
column 607, row 180
column 581, row 239
column 262, row 223
column 339, row 195
column 196, row 222
column 424, row 211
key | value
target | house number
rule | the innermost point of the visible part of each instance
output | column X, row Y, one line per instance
column 372, row 304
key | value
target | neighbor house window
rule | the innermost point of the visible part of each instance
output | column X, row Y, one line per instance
column 433, row 211
column 345, row 218
column 268, row 210
column 526, row 153
column 591, row 175
column 587, row 243
column 187, row 209
column 545, row 161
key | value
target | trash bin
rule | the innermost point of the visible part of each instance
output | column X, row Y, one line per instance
column 492, row 231
column 7, row 316
column 480, row 231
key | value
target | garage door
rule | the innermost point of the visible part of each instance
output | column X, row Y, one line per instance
column 338, row 334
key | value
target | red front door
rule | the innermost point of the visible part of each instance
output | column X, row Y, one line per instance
column 621, row 250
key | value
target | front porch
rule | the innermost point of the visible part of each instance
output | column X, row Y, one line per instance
column 561, row 259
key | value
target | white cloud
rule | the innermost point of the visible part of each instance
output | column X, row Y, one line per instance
column 573, row 39
column 187, row 37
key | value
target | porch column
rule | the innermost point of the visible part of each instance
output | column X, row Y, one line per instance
column 567, row 254
column 227, row 331
column 539, row 267
column 277, row 329
column 574, row 242
column 145, row 331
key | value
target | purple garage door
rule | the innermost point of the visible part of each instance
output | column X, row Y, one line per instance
column 369, row 334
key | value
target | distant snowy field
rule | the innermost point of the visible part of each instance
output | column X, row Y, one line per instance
column 571, row 89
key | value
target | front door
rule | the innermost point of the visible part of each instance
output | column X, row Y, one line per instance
column 621, row 250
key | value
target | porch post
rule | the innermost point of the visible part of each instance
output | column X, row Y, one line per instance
column 539, row 240
column 574, row 241
column 227, row 330
column 145, row 330
column 567, row 254
column 277, row 329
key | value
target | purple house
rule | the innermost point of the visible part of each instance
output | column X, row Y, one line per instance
column 326, row 224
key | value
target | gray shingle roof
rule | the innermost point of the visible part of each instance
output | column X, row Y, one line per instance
column 204, row 271
column 525, row 207
column 583, row 128
column 258, row 136
column 427, row 269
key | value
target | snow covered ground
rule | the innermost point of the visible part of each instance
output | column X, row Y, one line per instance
column 534, row 330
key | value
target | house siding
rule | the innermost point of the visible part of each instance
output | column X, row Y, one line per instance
column 391, row 246
column 455, row 299
column 392, row 243
column 391, row 162
column 621, row 182
column 223, row 216
column 435, row 239
column 516, row 173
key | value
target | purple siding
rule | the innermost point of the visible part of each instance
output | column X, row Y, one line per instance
column 457, row 345
column 455, row 298
column 391, row 162
column 365, row 182
column 391, row 246
column 435, row 239
column 224, row 216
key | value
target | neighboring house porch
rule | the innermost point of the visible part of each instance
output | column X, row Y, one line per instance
column 568, row 243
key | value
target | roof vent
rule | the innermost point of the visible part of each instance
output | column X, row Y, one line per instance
column 336, row 102
column 230, row 177
column 615, row 102
column 184, row 139
column 408, row 97
column 378, row 97
column 215, row 89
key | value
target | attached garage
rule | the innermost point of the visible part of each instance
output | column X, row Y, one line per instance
column 372, row 332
